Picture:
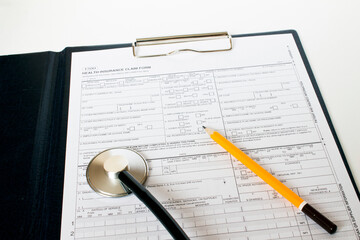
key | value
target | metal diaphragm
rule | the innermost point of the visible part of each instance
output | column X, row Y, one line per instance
column 102, row 171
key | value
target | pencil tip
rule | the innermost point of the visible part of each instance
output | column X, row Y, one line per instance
column 204, row 127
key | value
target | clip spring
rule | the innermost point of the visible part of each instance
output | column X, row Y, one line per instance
column 180, row 39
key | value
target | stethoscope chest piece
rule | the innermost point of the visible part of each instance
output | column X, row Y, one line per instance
column 103, row 169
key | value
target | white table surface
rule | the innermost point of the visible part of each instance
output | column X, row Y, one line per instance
column 329, row 31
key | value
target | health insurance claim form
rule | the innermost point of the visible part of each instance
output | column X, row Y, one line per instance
column 258, row 95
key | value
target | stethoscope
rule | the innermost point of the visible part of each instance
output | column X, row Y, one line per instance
column 118, row 172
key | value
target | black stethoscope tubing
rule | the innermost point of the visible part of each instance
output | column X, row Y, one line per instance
column 154, row 205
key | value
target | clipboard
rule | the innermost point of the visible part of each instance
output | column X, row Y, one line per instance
column 34, row 100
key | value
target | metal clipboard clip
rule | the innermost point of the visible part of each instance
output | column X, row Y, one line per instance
column 146, row 42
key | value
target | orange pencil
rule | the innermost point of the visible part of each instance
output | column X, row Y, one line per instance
column 286, row 192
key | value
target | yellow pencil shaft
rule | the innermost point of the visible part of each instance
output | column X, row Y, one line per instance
column 257, row 169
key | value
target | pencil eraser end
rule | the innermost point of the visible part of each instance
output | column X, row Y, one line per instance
column 320, row 219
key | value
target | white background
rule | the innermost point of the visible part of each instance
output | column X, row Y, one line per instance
column 329, row 31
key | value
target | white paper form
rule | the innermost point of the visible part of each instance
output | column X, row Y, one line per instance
column 258, row 95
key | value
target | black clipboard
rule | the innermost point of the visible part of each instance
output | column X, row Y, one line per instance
column 33, row 123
